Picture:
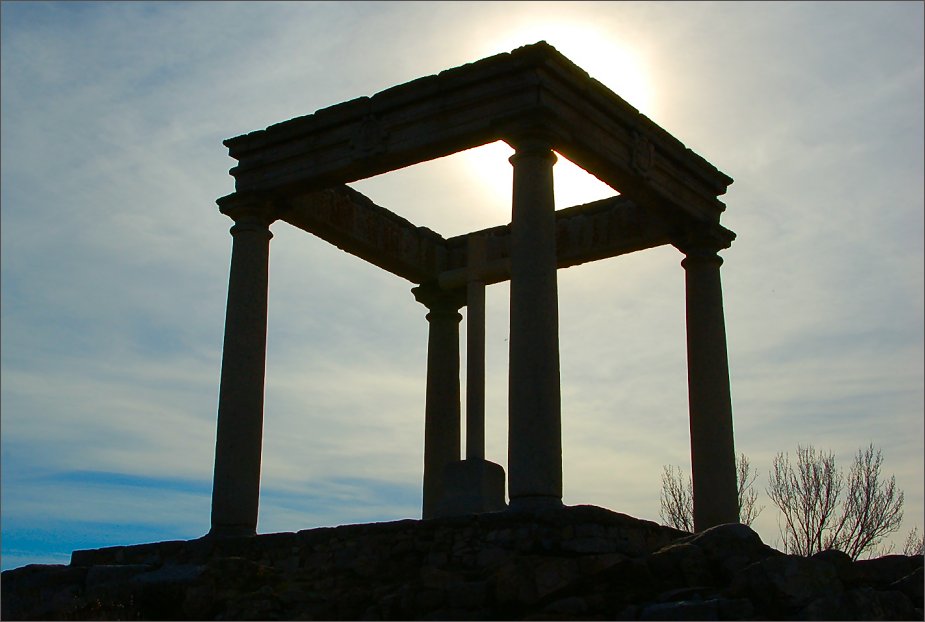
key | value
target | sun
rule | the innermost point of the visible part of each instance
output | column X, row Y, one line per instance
column 606, row 59
column 488, row 166
column 616, row 66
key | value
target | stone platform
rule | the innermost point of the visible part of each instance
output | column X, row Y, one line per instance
column 580, row 562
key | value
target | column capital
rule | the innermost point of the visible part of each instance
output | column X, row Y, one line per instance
column 249, row 212
column 535, row 142
column 701, row 243
column 440, row 301
column 533, row 129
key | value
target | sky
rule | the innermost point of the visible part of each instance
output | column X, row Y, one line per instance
column 115, row 259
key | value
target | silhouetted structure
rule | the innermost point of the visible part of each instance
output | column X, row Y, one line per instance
column 536, row 100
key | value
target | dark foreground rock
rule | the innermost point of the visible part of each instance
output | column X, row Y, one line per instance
column 574, row 563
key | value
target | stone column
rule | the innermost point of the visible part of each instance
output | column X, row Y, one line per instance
column 534, row 420
column 475, row 351
column 236, row 483
column 712, row 447
column 441, row 411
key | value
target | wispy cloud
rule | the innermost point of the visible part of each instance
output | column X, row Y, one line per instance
column 115, row 258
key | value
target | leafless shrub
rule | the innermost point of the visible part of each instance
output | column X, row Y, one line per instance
column 747, row 495
column 915, row 543
column 677, row 497
column 807, row 496
column 873, row 507
column 815, row 516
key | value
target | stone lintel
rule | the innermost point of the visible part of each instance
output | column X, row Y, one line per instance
column 353, row 223
column 473, row 105
column 588, row 232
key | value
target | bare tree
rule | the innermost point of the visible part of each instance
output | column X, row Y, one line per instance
column 677, row 498
column 915, row 544
column 807, row 495
column 747, row 495
column 815, row 516
column 873, row 508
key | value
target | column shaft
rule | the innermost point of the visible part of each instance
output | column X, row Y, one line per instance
column 534, row 435
column 712, row 445
column 236, row 483
column 475, row 353
column 475, row 370
column 441, row 410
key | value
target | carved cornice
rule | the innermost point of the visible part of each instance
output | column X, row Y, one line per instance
column 533, row 89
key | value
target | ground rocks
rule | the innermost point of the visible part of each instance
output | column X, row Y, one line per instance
column 572, row 563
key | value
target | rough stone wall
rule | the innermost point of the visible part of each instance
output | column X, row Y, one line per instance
column 572, row 563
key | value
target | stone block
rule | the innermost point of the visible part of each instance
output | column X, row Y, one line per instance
column 730, row 547
column 859, row 604
column 492, row 556
column 472, row 487
column 171, row 573
column 469, row 595
column 554, row 575
column 681, row 610
column 569, row 606
column 592, row 564
column 912, row 585
column 590, row 545
column 885, row 570
column 112, row 581
column 786, row 582
column 680, row 564
column 514, row 584
column 844, row 567
column 503, row 582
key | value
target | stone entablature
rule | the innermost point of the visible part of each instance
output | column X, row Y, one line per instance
column 496, row 98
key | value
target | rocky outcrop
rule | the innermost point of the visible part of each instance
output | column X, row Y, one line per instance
column 571, row 563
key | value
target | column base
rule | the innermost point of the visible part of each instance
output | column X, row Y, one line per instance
column 231, row 531
column 472, row 486
column 534, row 504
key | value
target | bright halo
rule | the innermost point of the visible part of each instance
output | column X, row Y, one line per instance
column 615, row 66
column 606, row 59
column 489, row 167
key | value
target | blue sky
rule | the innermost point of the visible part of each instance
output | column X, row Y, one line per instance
column 115, row 258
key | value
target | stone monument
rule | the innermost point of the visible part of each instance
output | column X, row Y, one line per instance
column 537, row 101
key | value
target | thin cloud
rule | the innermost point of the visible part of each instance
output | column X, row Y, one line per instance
column 115, row 259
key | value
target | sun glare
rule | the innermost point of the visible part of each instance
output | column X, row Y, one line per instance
column 605, row 59
column 572, row 185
